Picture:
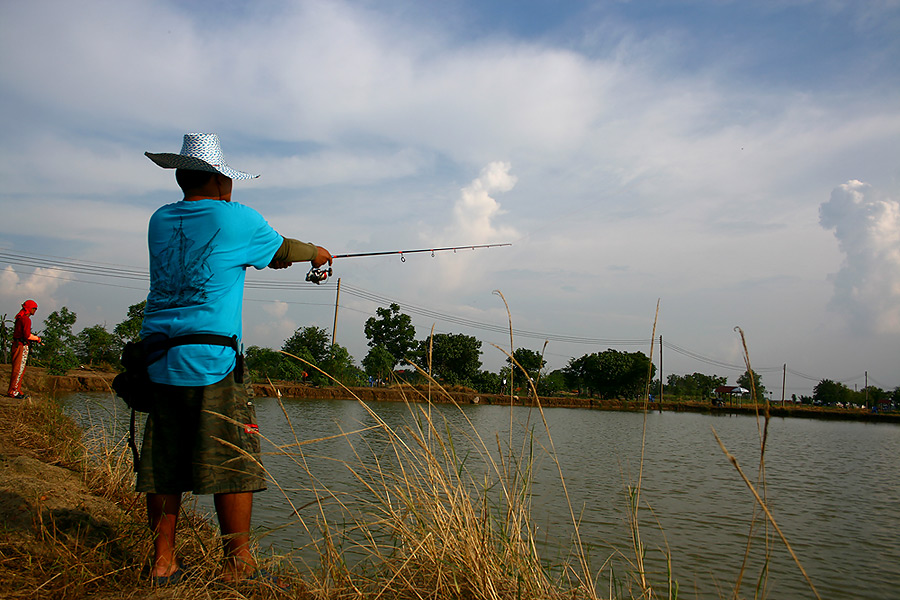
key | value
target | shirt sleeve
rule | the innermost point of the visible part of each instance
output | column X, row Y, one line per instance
column 263, row 240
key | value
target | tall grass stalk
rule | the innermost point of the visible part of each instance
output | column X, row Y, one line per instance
column 635, row 492
column 761, row 499
column 426, row 524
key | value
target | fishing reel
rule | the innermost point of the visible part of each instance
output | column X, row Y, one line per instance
column 317, row 275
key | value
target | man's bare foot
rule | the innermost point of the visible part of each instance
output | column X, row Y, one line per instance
column 164, row 568
column 163, row 575
column 238, row 569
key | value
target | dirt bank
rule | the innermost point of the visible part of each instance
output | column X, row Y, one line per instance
column 50, row 514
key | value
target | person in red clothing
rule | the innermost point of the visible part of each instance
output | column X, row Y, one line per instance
column 22, row 339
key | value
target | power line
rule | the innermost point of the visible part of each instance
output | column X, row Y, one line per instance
column 73, row 266
column 129, row 273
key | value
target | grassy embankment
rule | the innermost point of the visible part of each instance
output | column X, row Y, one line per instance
column 427, row 522
column 425, row 525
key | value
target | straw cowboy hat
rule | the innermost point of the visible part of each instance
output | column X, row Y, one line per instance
column 200, row 152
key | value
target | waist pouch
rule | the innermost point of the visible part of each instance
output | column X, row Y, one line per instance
column 133, row 385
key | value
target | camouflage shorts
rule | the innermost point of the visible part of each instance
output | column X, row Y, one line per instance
column 201, row 439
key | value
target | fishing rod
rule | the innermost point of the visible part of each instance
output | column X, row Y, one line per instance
column 318, row 275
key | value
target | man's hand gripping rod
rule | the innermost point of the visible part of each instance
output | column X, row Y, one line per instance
column 318, row 275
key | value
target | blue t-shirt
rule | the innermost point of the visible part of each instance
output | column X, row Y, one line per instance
column 199, row 254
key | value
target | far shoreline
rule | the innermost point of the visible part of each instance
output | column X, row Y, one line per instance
column 89, row 380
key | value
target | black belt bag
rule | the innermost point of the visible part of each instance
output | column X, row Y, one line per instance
column 134, row 386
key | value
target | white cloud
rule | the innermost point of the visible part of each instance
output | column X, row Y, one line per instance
column 476, row 212
column 331, row 167
column 277, row 308
column 83, row 220
column 272, row 334
column 40, row 286
column 475, row 220
column 867, row 226
column 269, row 332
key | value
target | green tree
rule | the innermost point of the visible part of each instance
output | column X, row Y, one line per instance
column 487, row 382
column 695, row 385
column 873, row 395
column 529, row 360
column 578, row 372
column 56, row 352
column 744, row 382
column 611, row 373
column 96, row 345
column 830, row 392
column 455, row 358
column 552, row 383
column 393, row 331
column 314, row 345
column 309, row 343
column 624, row 374
column 379, row 363
column 338, row 364
column 265, row 363
column 129, row 330
column 6, row 333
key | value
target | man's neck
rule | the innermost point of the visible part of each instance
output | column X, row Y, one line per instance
column 217, row 188
column 193, row 197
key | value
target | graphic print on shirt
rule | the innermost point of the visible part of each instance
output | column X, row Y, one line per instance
column 182, row 271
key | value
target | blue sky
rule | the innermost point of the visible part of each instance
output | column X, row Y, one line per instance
column 737, row 161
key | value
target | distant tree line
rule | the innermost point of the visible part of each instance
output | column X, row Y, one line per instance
column 394, row 351
column 833, row 393
column 698, row 386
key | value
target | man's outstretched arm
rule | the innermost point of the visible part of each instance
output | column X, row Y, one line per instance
column 292, row 251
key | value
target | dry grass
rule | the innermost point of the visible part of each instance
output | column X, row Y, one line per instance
column 758, row 491
column 427, row 521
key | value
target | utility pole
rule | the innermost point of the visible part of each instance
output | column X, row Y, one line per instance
column 337, row 300
column 660, row 371
column 867, row 389
column 783, row 377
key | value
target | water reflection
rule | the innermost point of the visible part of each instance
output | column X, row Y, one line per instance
column 833, row 486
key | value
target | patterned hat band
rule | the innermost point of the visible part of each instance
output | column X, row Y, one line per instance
column 200, row 152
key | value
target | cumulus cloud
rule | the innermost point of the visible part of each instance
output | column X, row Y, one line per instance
column 39, row 286
column 867, row 226
column 277, row 308
column 272, row 332
column 476, row 211
column 475, row 221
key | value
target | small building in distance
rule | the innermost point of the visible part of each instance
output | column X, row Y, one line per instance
column 728, row 392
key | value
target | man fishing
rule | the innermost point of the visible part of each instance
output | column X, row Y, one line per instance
column 201, row 434
column 22, row 340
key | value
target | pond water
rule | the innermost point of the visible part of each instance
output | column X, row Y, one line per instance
column 833, row 487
